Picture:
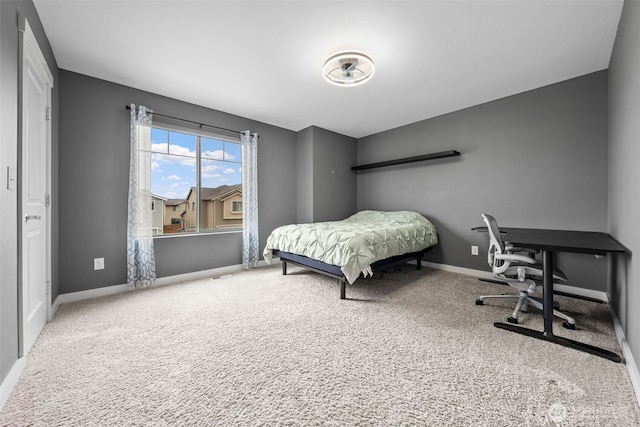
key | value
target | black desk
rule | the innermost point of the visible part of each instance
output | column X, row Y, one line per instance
column 549, row 241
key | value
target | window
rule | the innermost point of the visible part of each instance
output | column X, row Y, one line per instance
column 195, row 172
column 153, row 205
column 236, row 207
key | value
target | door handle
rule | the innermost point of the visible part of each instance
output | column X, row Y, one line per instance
column 30, row 217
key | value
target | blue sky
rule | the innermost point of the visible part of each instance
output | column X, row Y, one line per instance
column 173, row 163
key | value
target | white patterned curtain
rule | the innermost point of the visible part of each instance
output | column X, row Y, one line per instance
column 250, row 238
column 141, row 264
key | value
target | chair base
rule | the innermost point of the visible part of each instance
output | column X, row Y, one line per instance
column 523, row 300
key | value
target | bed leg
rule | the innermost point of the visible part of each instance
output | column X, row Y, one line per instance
column 343, row 289
column 284, row 267
column 419, row 262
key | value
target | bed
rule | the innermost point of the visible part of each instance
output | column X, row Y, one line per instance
column 359, row 245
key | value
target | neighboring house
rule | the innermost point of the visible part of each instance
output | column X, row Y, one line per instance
column 157, row 214
column 174, row 210
column 220, row 207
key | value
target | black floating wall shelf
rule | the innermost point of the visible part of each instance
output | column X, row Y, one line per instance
column 413, row 159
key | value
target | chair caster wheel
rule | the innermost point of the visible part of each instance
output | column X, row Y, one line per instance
column 479, row 302
column 512, row 320
column 569, row 325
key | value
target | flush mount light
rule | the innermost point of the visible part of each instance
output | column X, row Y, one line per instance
column 348, row 68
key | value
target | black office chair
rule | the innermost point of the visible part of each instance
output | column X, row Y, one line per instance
column 522, row 272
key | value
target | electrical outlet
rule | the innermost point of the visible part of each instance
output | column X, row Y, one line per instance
column 98, row 263
column 474, row 250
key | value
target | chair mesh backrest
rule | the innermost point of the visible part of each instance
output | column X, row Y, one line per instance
column 495, row 239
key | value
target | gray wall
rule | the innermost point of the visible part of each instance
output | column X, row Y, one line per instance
column 326, row 184
column 304, row 167
column 536, row 159
column 9, row 11
column 93, row 180
column 334, row 184
column 624, row 174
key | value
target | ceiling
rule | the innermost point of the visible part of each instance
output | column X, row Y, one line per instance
column 262, row 59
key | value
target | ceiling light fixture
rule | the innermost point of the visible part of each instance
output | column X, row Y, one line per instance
column 348, row 68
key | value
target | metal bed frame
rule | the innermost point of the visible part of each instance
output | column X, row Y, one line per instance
column 335, row 272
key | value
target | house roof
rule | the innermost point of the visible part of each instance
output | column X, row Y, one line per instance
column 220, row 192
column 173, row 202
column 215, row 193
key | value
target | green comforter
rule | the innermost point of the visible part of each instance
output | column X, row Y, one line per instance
column 355, row 243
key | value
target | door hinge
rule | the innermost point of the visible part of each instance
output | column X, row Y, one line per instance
column 47, row 113
column 48, row 288
column 47, row 200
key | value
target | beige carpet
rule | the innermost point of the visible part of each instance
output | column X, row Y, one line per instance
column 260, row 349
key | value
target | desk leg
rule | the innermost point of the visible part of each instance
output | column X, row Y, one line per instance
column 547, row 313
column 547, row 291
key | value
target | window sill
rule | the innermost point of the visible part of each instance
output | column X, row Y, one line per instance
column 180, row 235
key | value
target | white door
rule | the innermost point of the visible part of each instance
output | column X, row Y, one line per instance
column 34, row 184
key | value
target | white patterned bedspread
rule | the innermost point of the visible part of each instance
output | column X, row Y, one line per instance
column 357, row 242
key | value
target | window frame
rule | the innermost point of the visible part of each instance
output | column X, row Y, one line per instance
column 199, row 133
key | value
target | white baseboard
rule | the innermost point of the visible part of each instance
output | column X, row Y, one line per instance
column 169, row 280
column 11, row 380
column 91, row 293
column 632, row 367
column 460, row 270
column 589, row 293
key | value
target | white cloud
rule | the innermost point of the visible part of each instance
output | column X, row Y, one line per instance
column 172, row 178
column 209, row 167
column 177, row 155
column 218, row 155
column 162, row 147
column 181, row 151
column 228, row 171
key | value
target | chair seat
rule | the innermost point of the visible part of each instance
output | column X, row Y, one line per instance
column 535, row 272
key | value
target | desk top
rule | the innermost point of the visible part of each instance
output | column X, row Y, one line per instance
column 586, row 242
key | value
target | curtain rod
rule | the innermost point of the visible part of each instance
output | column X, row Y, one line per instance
column 128, row 107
